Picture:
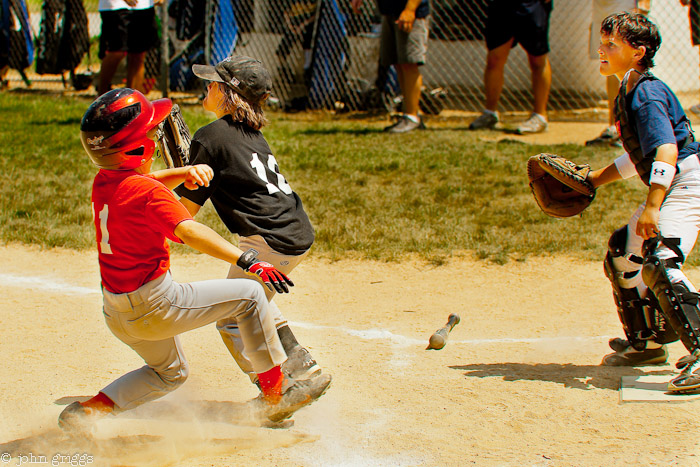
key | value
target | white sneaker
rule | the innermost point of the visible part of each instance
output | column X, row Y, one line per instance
column 535, row 124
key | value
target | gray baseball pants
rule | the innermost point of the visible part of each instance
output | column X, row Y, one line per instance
column 149, row 320
column 230, row 330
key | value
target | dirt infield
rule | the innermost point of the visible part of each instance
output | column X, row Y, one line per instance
column 519, row 382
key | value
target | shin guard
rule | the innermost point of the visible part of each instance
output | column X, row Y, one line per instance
column 680, row 306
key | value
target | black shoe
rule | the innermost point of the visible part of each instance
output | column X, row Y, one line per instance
column 626, row 355
column 404, row 125
column 300, row 365
column 485, row 121
column 608, row 137
column 295, row 395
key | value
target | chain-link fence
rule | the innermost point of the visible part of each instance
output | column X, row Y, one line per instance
column 323, row 55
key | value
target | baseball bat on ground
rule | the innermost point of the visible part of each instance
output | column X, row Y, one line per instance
column 439, row 338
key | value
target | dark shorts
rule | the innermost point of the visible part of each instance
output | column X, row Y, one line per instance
column 132, row 31
column 694, row 15
column 525, row 21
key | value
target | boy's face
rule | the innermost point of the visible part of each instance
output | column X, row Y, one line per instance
column 617, row 56
column 212, row 102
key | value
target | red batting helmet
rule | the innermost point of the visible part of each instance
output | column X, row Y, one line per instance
column 115, row 126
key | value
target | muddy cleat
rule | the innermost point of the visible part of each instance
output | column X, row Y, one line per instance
column 295, row 395
column 626, row 355
column 76, row 419
column 486, row 120
column 689, row 379
column 300, row 365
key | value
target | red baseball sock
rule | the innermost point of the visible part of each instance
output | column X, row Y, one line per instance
column 99, row 402
column 271, row 384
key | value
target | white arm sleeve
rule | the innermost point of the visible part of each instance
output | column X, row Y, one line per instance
column 625, row 166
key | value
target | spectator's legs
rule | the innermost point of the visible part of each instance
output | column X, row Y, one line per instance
column 136, row 70
column 110, row 62
column 696, row 108
column 493, row 75
column 612, row 87
column 410, row 81
column 541, row 82
column 3, row 82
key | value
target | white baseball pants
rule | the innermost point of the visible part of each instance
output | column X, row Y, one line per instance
column 679, row 218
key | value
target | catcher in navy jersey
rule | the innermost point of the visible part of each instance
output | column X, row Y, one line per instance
column 249, row 193
column 657, row 304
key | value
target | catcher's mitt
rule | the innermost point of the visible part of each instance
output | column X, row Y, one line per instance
column 173, row 139
column 560, row 186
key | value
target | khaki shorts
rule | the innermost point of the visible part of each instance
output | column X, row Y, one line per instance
column 397, row 46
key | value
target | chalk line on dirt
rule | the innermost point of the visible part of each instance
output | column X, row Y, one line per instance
column 403, row 341
column 45, row 284
column 50, row 285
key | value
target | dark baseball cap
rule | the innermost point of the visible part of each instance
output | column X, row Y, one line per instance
column 245, row 75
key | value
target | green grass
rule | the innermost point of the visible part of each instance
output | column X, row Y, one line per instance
column 432, row 194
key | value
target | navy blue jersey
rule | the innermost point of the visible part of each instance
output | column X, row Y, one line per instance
column 395, row 7
column 248, row 191
column 659, row 119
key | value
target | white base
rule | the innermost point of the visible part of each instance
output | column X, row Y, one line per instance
column 651, row 388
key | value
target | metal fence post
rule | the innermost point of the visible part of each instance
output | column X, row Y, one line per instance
column 207, row 32
column 163, row 80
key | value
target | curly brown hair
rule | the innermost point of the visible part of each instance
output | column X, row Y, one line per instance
column 636, row 30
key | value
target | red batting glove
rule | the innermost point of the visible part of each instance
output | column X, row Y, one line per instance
column 271, row 276
column 267, row 272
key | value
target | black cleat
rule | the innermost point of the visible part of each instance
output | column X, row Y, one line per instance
column 626, row 355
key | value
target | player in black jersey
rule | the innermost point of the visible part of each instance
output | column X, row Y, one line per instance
column 249, row 193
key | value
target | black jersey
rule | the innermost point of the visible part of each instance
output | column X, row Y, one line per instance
column 248, row 191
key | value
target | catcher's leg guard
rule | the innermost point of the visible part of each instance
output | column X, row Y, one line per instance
column 632, row 308
column 680, row 306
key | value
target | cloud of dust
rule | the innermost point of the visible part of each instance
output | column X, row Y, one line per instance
column 342, row 445
column 157, row 434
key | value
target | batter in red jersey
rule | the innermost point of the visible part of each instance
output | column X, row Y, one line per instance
column 135, row 214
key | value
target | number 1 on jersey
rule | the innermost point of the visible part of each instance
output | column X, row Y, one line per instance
column 104, row 237
column 259, row 167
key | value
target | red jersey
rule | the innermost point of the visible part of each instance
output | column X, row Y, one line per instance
column 133, row 214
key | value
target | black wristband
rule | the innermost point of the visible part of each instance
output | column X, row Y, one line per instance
column 247, row 259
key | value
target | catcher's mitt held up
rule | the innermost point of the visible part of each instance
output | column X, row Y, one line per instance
column 173, row 139
column 560, row 186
